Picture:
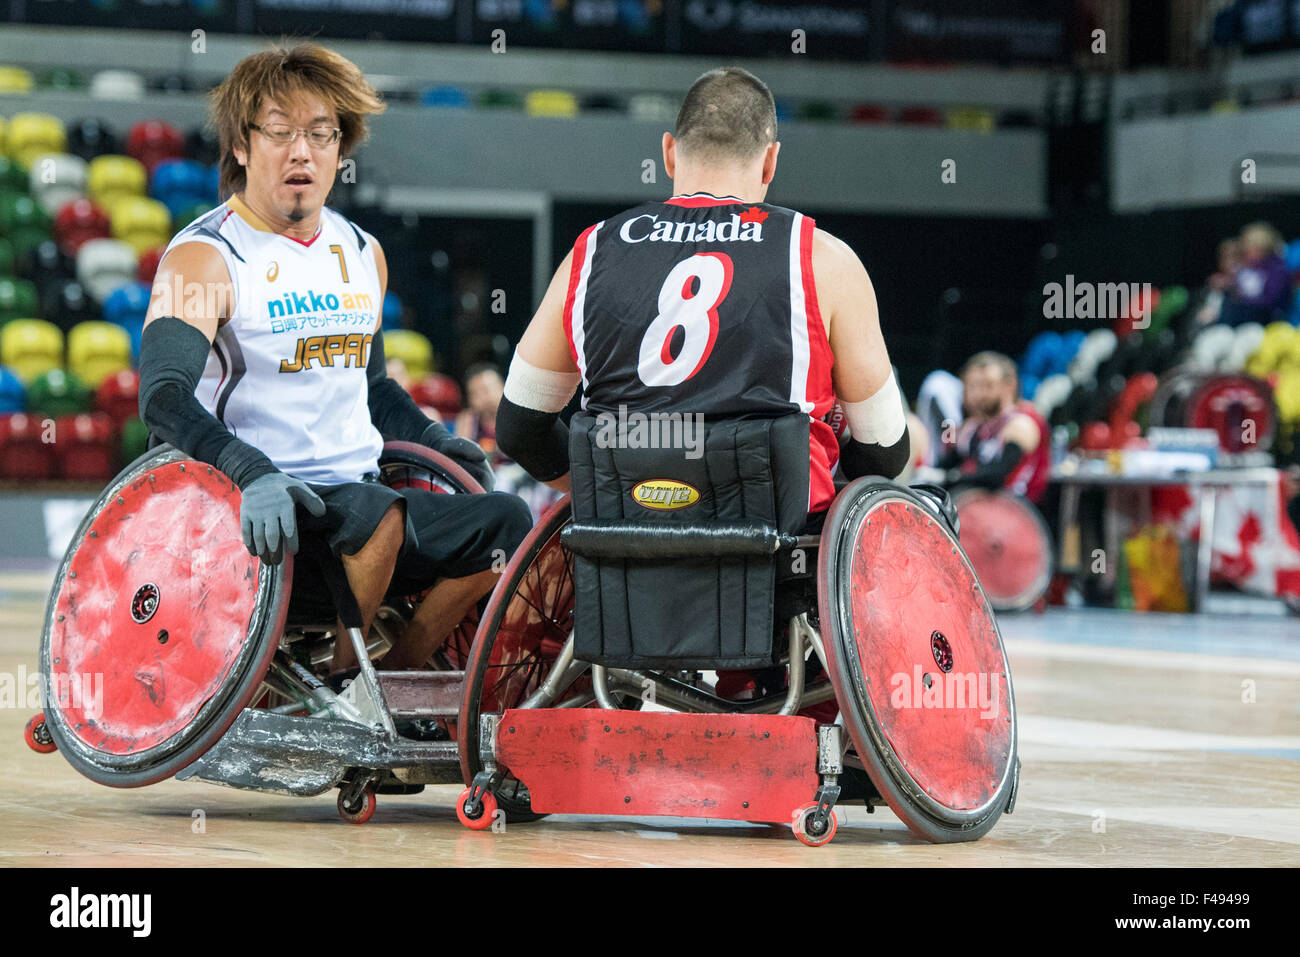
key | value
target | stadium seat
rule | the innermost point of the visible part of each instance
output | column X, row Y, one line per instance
column 84, row 447
column 44, row 264
column 147, row 267
column 170, row 83
column 651, row 108
column 126, row 307
column 113, row 177
column 601, row 103
column 32, row 134
column 13, row 178
column 57, row 179
column 412, row 349
column 972, row 118
column 551, row 103
column 15, row 80
column 118, row 397
column 452, row 97
column 98, row 350
column 8, row 261
column 141, row 223
column 440, row 393
column 135, row 439
column 499, row 100
column 153, row 141
column 920, row 116
column 57, row 392
column 18, row 299
column 392, row 318
column 23, row 452
column 62, row 78
column 91, row 137
column 103, row 265
column 79, row 222
column 869, row 114
column 13, row 394
column 68, row 304
column 31, row 347
column 818, row 111
column 186, row 216
column 117, row 85
column 179, row 184
column 23, row 222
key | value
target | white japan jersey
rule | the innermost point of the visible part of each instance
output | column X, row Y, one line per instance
column 287, row 370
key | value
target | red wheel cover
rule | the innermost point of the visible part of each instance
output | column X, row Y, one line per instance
column 1008, row 545
column 159, row 602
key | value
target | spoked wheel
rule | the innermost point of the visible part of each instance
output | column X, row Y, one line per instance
column 527, row 621
column 917, row 662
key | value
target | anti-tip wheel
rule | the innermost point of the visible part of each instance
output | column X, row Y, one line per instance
column 37, row 735
column 486, row 815
column 808, row 832
column 360, row 812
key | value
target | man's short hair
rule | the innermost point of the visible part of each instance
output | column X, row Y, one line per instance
column 728, row 115
column 281, row 74
column 991, row 358
column 478, row 368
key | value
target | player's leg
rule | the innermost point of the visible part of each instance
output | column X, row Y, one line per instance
column 462, row 545
column 369, row 571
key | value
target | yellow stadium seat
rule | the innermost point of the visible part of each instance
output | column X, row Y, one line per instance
column 412, row 348
column 4, row 147
column 15, row 80
column 112, row 177
column 139, row 222
column 551, row 103
column 31, row 347
column 971, row 118
column 33, row 134
column 97, row 350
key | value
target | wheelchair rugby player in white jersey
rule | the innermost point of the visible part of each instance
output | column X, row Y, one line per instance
column 262, row 355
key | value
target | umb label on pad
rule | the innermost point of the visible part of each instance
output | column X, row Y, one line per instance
column 664, row 494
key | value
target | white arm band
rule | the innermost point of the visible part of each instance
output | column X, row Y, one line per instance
column 880, row 419
column 539, row 389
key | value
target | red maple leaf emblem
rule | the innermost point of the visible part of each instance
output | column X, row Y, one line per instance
column 753, row 215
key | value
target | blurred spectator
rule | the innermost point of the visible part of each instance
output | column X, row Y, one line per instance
column 478, row 421
column 1220, row 281
column 1261, row 290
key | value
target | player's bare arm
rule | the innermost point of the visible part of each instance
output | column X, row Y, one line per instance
column 862, row 374
column 543, row 378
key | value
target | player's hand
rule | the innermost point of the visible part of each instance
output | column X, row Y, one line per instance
column 470, row 457
column 266, row 515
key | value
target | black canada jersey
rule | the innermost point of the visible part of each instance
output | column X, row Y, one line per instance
column 702, row 304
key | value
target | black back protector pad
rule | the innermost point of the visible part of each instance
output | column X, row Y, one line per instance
column 679, row 567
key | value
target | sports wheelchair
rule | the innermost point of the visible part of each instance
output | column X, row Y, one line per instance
column 673, row 639
column 212, row 662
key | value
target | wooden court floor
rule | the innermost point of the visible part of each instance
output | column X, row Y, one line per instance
column 1146, row 740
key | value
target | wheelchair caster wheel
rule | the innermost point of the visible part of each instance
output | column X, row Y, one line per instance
column 358, row 813
column 486, row 812
column 807, row 831
column 37, row 735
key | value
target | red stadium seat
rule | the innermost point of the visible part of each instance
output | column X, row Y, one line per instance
column 147, row 267
column 920, row 116
column 118, row 397
column 85, row 446
column 153, row 141
column 440, row 393
column 79, row 222
column 869, row 113
column 22, row 453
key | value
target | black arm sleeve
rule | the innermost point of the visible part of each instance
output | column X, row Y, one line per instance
column 538, row 441
column 993, row 474
column 172, row 356
column 858, row 459
column 392, row 410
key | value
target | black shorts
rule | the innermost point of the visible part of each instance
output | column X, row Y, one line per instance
column 447, row 536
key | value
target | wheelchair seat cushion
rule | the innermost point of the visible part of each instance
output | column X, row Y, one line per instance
column 685, row 575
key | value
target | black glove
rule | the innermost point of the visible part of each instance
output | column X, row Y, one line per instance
column 463, row 452
column 266, row 515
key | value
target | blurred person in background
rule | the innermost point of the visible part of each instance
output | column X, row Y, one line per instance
column 1261, row 288
column 1220, row 281
column 1002, row 444
column 478, row 420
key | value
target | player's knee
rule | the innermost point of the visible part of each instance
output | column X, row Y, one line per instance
column 508, row 520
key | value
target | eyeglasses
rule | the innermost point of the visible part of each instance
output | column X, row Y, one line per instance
column 282, row 133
